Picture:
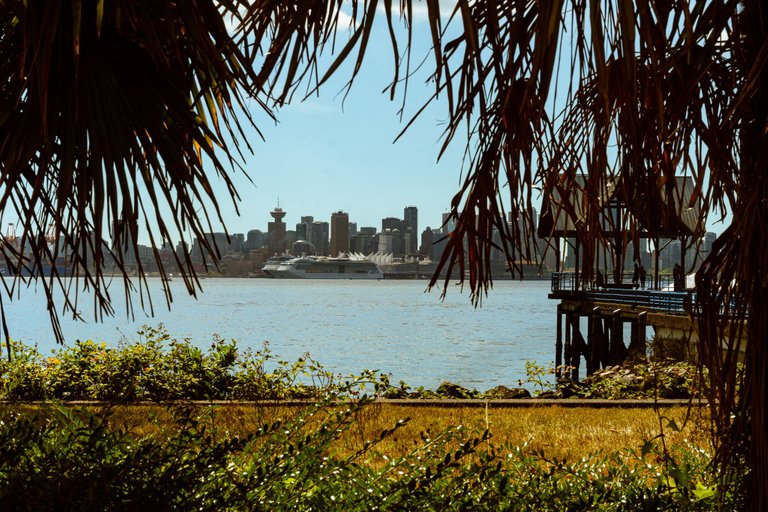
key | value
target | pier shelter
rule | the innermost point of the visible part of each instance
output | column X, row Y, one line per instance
column 603, row 315
column 599, row 224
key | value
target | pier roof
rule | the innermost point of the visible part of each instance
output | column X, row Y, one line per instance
column 666, row 210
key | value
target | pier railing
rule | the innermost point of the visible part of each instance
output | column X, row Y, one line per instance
column 665, row 300
column 567, row 281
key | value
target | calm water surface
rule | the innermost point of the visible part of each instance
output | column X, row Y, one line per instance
column 392, row 326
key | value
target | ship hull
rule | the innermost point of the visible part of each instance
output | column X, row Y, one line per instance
column 327, row 268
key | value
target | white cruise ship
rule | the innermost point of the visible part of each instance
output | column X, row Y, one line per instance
column 317, row 267
column 274, row 263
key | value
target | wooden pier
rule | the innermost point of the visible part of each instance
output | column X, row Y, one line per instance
column 591, row 324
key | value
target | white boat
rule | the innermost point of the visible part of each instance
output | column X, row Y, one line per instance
column 318, row 267
column 274, row 262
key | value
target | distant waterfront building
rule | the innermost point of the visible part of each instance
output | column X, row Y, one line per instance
column 181, row 250
column 319, row 236
column 276, row 233
column 391, row 242
column 409, row 248
column 290, row 238
column 301, row 231
column 448, row 225
column 411, row 229
column 391, row 223
column 218, row 242
column 386, row 241
column 364, row 242
column 255, row 239
column 427, row 243
column 304, row 228
column 339, row 233
column 237, row 243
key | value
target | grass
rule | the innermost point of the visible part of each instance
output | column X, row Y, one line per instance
column 562, row 433
column 545, row 459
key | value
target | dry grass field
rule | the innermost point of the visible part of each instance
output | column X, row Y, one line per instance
column 563, row 433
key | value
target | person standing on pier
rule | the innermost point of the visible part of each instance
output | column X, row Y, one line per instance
column 599, row 280
column 641, row 271
column 635, row 275
column 677, row 276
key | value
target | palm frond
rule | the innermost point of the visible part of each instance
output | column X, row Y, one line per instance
column 113, row 114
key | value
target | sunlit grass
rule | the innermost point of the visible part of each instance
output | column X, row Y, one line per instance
column 559, row 432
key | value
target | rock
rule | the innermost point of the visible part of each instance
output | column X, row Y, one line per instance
column 505, row 393
column 396, row 393
column 451, row 390
column 629, row 378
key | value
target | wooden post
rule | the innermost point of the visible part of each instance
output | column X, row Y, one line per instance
column 559, row 342
column 605, row 344
column 594, row 341
column 637, row 343
column 656, row 264
column 618, row 351
column 577, row 264
column 568, row 344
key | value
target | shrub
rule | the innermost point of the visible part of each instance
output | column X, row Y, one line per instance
column 24, row 377
column 158, row 367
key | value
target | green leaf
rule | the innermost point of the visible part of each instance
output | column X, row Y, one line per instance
column 647, row 448
column 703, row 493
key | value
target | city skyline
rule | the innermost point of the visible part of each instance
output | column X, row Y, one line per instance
column 302, row 218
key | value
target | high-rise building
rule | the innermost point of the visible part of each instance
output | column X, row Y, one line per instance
column 319, row 237
column 290, row 239
column 391, row 223
column 391, row 241
column 304, row 228
column 237, row 242
column 427, row 243
column 448, row 225
column 276, row 233
column 301, row 231
column 339, row 233
column 218, row 243
column 386, row 241
column 411, row 229
column 255, row 239
column 364, row 241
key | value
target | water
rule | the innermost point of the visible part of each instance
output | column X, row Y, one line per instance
column 391, row 326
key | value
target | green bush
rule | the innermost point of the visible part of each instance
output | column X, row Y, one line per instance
column 158, row 367
column 24, row 377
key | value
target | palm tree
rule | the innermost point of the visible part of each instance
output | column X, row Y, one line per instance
column 595, row 95
column 591, row 95
column 110, row 108
column 109, row 111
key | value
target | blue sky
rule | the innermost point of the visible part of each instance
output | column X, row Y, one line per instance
column 329, row 153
